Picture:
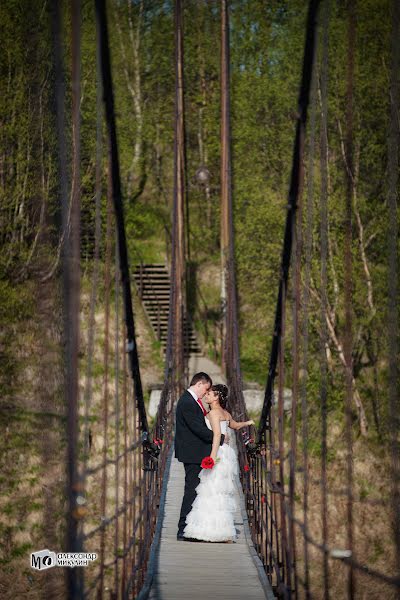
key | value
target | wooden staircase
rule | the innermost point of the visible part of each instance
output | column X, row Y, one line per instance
column 153, row 285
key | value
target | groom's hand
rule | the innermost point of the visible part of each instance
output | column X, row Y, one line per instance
column 222, row 439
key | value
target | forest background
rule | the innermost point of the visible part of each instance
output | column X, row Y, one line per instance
column 267, row 41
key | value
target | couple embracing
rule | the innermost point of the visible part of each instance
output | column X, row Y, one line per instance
column 208, row 504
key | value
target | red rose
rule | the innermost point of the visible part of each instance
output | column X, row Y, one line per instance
column 207, row 463
column 246, row 468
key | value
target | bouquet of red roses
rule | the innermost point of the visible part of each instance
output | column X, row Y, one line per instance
column 208, row 462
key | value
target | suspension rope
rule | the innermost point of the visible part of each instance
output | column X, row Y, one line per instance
column 108, row 97
column 298, row 149
column 309, row 217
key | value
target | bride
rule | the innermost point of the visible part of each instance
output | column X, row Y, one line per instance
column 211, row 518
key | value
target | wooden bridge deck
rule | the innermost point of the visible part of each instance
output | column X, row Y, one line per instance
column 189, row 570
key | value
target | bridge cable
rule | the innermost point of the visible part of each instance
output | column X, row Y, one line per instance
column 309, row 219
column 303, row 102
column 108, row 98
column 324, row 287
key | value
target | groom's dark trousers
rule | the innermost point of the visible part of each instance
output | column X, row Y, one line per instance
column 191, row 482
column 193, row 442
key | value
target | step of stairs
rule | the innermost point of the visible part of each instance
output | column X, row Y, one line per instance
column 153, row 285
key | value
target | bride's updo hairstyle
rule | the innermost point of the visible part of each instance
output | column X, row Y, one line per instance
column 222, row 391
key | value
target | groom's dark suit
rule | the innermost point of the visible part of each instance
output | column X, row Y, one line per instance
column 193, row 442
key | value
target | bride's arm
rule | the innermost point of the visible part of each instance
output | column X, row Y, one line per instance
column 239, row 424
column 216, row 428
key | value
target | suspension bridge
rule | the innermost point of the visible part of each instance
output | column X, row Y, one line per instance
column 124, row 484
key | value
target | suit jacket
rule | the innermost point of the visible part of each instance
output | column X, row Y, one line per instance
column 193, row 439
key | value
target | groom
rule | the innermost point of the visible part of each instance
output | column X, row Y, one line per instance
column 193, row 441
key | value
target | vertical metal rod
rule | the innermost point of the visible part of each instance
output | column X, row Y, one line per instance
column 178, row 241
column 230, row 354
column 127, row 464
column 104, row 478
column 286, row 569
column 140, row 480
column 273, row 499
column 297, row 250
column 72, row 294
column 225, row 176
column 69, row 333
column 324, row 287
column 393, row 273
column 117, row 418
column 348, row 285
column 134, row 483
column 141, row 284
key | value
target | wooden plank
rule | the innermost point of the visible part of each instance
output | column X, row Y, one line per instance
column 196, row 570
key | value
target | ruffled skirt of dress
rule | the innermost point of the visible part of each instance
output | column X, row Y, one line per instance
column 212, row 516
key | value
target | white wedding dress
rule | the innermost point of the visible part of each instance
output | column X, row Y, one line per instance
column 212, row 515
